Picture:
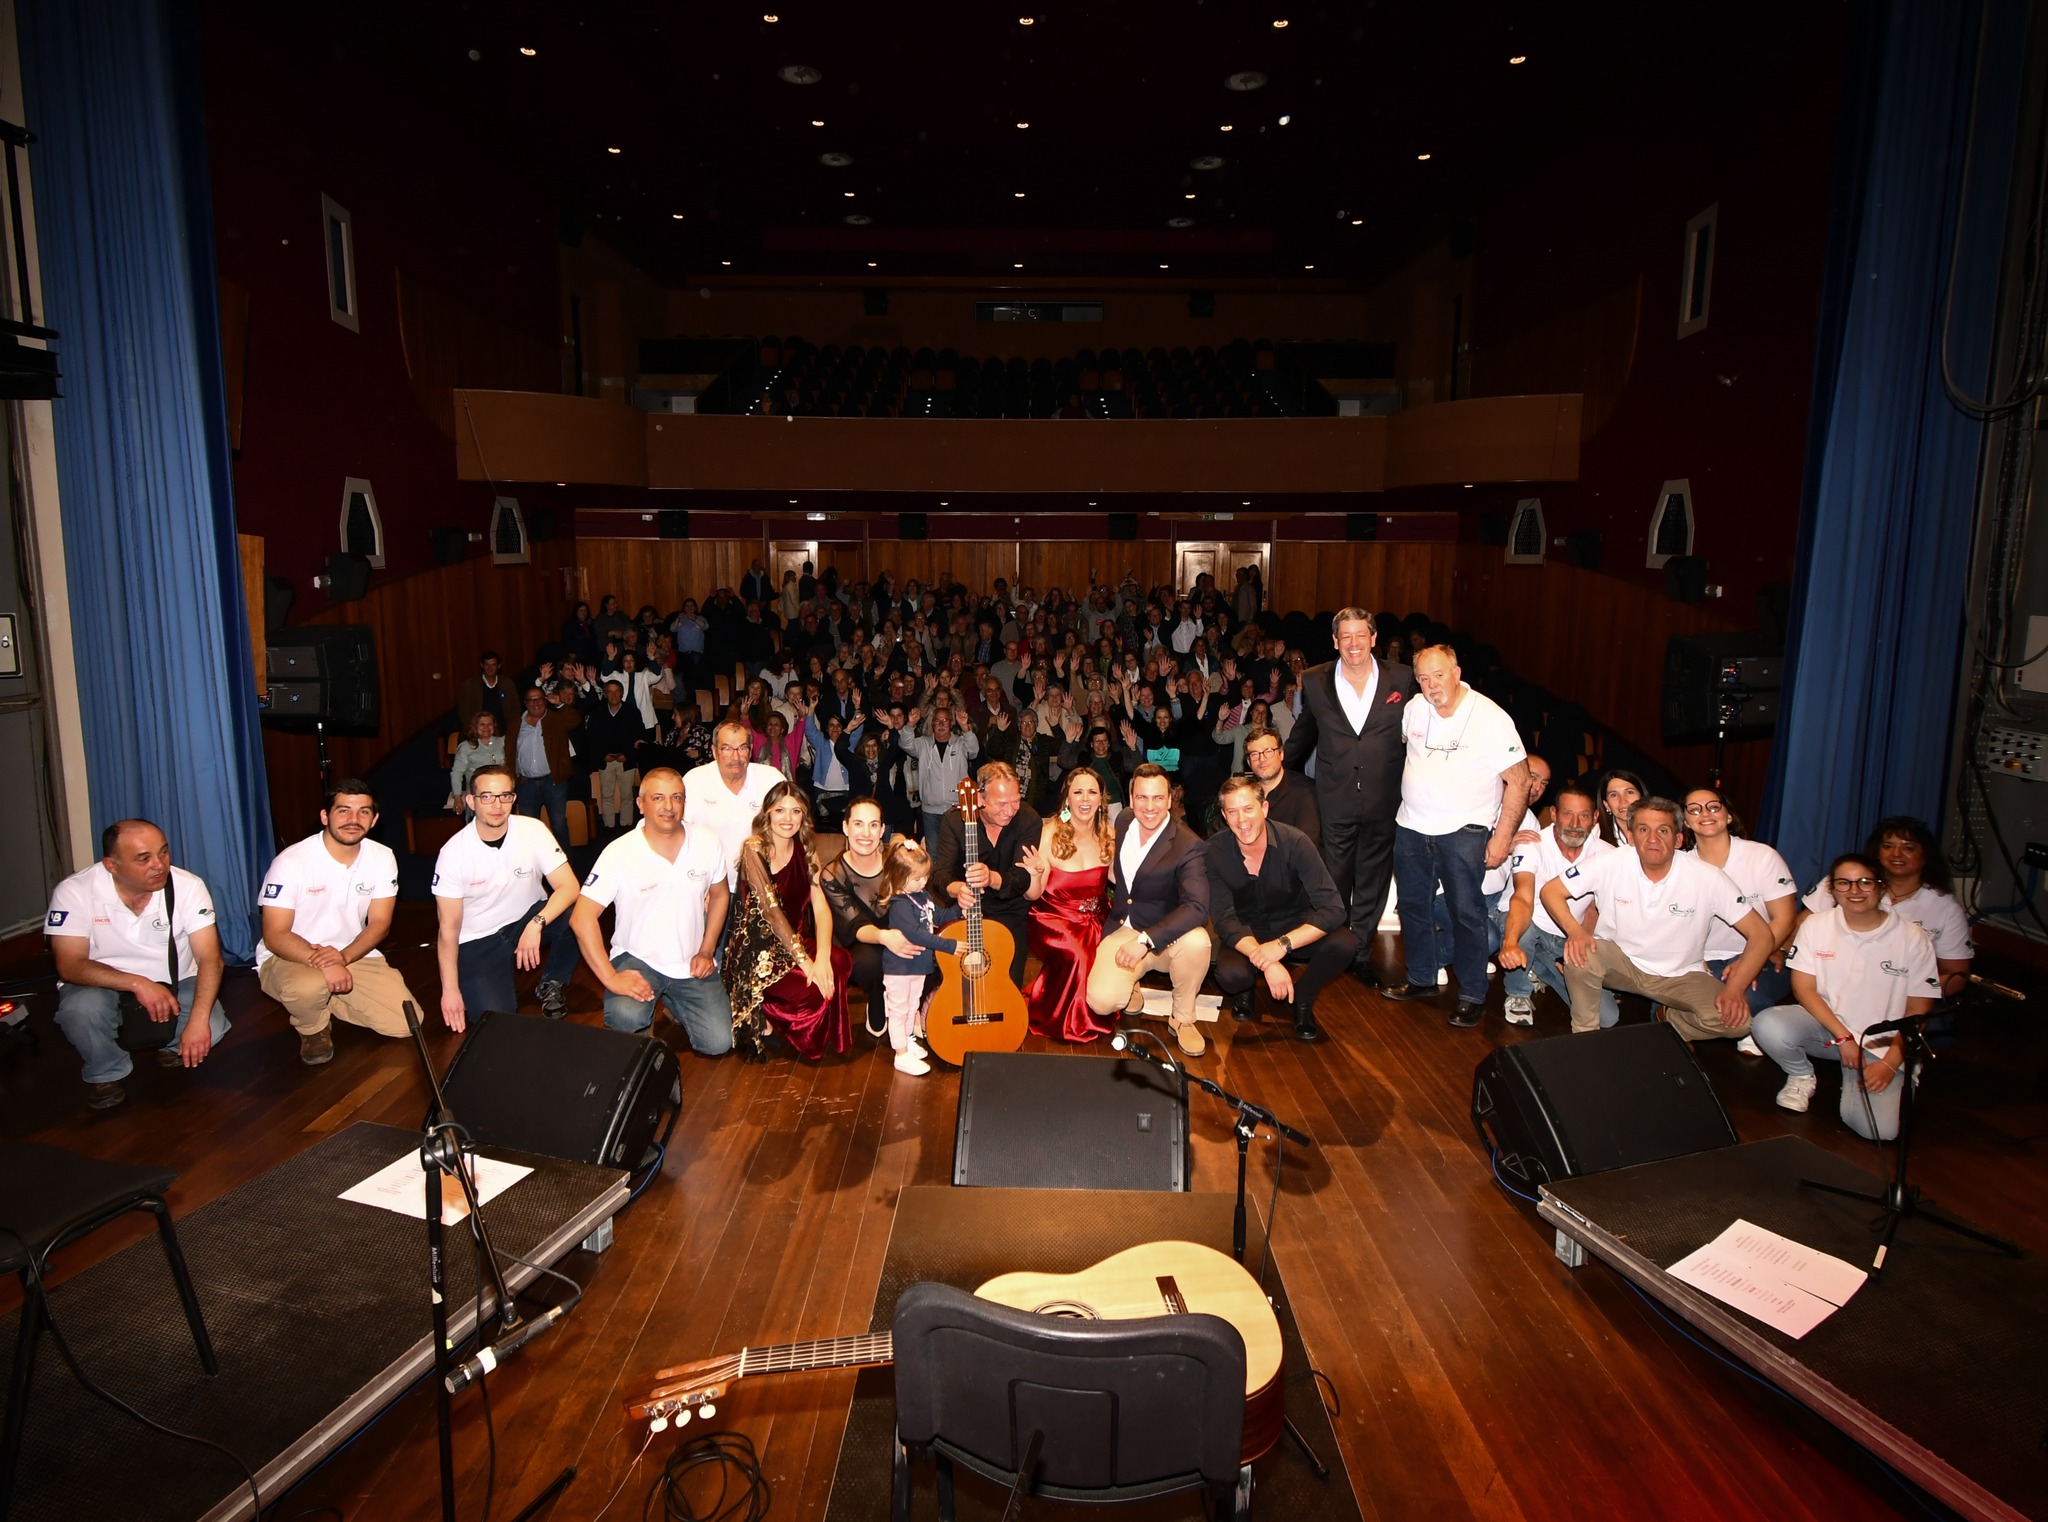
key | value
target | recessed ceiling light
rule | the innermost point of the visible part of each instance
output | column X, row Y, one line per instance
column 1248, row 79
column 835, row 160
column 1280, row 26
column 816, row 123
column 871, row 264
column 1224, row 128
column 1245, row 503
column 1180, row 221
column 1016, row 266
column 1206, row 161
column 849, row 195
column 1519, row 58
column 1162, row 266
column 1358, row 221
column 1422, row 158
column 528, row 53
column 1019, row 194
column 771, row 18
column 792, row 502
column 1285, row 120
column 1468, row 486
column 726, row 262
column 1026, row 20
column 799, row 74
column 613, row 150
column 1021, row 126
column 1189, row 196
column 1308, row 266
column 675, row 216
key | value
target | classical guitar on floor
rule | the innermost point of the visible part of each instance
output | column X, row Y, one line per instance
column 1152, row 1279
column 984, row 1012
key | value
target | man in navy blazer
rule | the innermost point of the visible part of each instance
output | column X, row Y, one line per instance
column 1350, row 721
column 1158, row 909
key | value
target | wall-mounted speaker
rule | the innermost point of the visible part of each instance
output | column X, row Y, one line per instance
column 347, row 576
column 278, row 597
column 1123, row 525
column 1493, row 528
column 542, row 524
column 912, row 526
column 1363, row 528
column 1721, row 684
column 326, row 672
column 1585, row 547
column 672, row 523
column 874, row 302
column 1685, row 578
column 1201, row 303
column 451, row 545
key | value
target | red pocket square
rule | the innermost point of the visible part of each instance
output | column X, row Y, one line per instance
column 1393, row 697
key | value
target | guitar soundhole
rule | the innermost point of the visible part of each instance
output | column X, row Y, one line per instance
column 1071, row 1310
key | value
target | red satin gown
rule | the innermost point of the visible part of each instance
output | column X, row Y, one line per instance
column 1065, row 929
column 814, row 1024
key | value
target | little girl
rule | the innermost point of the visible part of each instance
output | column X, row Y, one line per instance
column 907, row 908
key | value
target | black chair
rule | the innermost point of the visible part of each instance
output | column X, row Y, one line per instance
column 50, row 1198
column 1093, row 1411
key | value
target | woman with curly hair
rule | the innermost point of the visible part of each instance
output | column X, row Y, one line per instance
column 782, row 968
column 1069, row 884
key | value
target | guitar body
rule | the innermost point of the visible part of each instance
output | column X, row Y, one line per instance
column 984, row 1014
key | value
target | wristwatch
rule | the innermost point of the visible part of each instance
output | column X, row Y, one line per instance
column 1286, row 944
column 1145, row 938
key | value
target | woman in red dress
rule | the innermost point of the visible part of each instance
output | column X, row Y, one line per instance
column 782, row 968
column 1069, row 886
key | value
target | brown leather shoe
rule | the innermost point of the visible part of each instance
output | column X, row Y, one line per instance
column 316, row 1048
column 169, row 1057
column 1189, row 1037
column 104, row 1096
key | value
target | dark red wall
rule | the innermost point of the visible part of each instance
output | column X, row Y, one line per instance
column 287, row 120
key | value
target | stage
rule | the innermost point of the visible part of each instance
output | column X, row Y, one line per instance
column 1935, row 1365
column 317, row 1308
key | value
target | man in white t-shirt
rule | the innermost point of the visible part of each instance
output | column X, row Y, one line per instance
column 1498, row 889
column 724, row 794
column 112, row 939
column 1530, row 938
column 1656, row 907
column 327, row 904
column 502, row 895
column 1464, row 786
column 665, row 884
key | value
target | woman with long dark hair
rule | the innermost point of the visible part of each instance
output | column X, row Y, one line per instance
column 1714, row 834
column 1069, row 892
column 1620, row 792
column 782, row 969
column 1916, row 887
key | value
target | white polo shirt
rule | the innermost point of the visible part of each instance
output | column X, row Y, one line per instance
column 1662, row 926
column 1452, row 777
column 330, row 903
column 657, row 904
column 497, row 883
column 1761, row 874
column 1544, row 861
column 1947, row 927
column 707, row 801
column 88, row 904
column 1499, row 882
column 1865, row 976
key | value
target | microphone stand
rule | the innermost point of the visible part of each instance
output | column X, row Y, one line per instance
column 1244, row 1128
column 1899, row 1199
column 441, row 1156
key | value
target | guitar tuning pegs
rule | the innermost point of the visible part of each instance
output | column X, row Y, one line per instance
column 707, row 1412
column 658, row 1426
column 683, row 1417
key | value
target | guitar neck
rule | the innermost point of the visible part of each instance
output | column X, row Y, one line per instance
column 824, row 1353
column 972, row 913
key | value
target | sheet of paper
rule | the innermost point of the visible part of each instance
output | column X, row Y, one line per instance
column 1782, row 1283
column 399, row 1187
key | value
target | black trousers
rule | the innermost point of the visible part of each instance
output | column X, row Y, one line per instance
column 1360, row 856
column 867, row 975
column 1311, row 967
column 1016, row 922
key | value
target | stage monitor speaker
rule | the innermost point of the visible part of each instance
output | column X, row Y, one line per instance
column 672, row 523
column 1123, row 525
column 874, row 302
column 579, row 1092
column 1047, row 1121
column 1364, row 528
column 1585, row 547
column 451, row 545
column 1710, row 679
column 1201, row 303
column 1567, row 1105
column 326, row 672
column 347, row 576
column 541, row 524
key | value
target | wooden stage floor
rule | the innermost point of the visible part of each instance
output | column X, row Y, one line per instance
column 1478, row 1377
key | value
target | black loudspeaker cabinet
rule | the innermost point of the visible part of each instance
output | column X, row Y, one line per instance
column 874, row 301
column 912, row 527
column 541, row 524
column 451, row 545
column 325, row 672
column 1567, row 1105
column 1364, row 528
column 672, row 523
column 1123, row 525
column 1046, row 1121
column 348, row 576
column 1201, row 303
column 1704, row 672
column 579, row 1092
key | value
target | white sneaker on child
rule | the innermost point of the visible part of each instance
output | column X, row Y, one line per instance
column 1748, row 1047
column 918, row 1049
column 909, row 1062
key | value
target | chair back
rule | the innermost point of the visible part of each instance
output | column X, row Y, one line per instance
column 1125, row 1407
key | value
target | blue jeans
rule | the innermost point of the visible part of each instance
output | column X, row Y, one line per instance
column 1458, row 861
column 1772, row 986
column 1544, row 951
column 1514, row 980
column 698, row 1005
column 91, row 1019
column 538, row 794
column 931, row 829
column 1792, row 1038
column 484, row 969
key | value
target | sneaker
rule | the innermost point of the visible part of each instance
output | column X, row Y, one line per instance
column 1520, row 1010
column 318, row 1047
column 104, row 1096
column 918, row 1049
column 1189, row 1037
column 1467, row 1015
column 1798, row 1092
column 1491, row 969
column 911, row 1063
column 1305, row 1027
column 1443, row 977
column 1243, row 1006
column 554, row 1001
column 1748, row 1047
column 1408, row 991
column 169, row 1057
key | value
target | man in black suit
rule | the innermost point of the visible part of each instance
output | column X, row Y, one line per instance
column 1004, row 858
column 1350, row 720
column 1159, row 906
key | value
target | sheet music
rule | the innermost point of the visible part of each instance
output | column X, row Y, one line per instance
column 1782, row 1283
column 400, row 1188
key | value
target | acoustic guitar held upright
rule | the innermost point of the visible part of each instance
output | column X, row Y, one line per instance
column 985, row 1012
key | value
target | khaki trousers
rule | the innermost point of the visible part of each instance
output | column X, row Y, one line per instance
column 376, row 1002
column 1688, row 999
column 616, row 789
column 1185, row 962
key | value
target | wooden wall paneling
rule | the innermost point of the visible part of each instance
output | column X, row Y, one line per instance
column 664, row 571
column 1401, row 578
column 1066, row 563
column 974, row 563
column 254, row 598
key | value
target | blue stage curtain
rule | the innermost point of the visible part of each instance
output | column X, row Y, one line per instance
column 1874, row 643
column 125, row 229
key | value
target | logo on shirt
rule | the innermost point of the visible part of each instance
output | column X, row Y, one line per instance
column 592, row 879
column 273, row 890
column 362, row 887
column 206, row 913
column 1683, row 911
column 315, row 889
column 158, row 923
column 522, row 871
column 1895, row 969
column 437, row 880
column 58, row 917
column 1571, row 872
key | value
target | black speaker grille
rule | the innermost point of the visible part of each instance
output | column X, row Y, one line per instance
column 1615, row 1098
column 568, row 1091
column 1046, row 1121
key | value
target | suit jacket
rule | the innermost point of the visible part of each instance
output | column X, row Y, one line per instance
column 605, row 733
column 1358, row 773
column 1171, row 894
column 555, row 724
column 754, row 587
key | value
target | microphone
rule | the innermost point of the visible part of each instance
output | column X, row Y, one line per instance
column 2000, row 989
column 1121, row 1042
column 487, row 1359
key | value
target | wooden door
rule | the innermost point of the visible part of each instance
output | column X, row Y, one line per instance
column 1220, row 559
column 789, row 555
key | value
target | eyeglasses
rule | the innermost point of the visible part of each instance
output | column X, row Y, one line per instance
column 1262, row 751
column 1854, row 884
column 1696, row 810
column 494, row 797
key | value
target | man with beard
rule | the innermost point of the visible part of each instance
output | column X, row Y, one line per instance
column 327, row 904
